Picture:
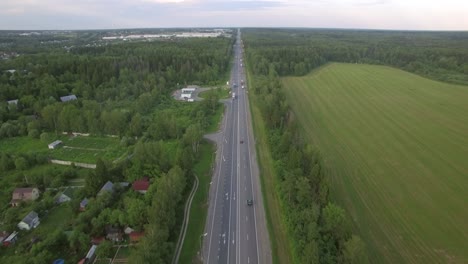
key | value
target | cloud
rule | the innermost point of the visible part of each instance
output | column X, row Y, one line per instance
column 82, row 14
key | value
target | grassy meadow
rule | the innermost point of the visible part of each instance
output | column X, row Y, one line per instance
column 396, row 147
column 77, row 149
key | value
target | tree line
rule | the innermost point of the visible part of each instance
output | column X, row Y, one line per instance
column 438, row 55
column 319, row 230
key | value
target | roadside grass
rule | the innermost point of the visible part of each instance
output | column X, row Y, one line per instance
column 223, row 92
column 215, row 120
column 395, row 146
column 199, row 210
column 280, row 246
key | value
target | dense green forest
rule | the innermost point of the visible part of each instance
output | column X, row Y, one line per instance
column 438, row 55
column 123, row 90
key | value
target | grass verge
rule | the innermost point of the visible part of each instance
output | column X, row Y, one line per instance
column 199, row 209
column 280, row 246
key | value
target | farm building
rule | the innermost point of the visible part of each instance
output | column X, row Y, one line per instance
column 24, row 194
column 55, row 144
column 11, row 239
column 68, row 98
column 29, row 222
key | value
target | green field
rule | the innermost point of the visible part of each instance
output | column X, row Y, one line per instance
column 396, row 146
column 77, row 149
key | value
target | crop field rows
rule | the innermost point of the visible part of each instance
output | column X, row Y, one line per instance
column 395, row 145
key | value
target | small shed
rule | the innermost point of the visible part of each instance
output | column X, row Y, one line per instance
column 55, row 144
column 68, row 98
column 11, row 239
column 5, row 234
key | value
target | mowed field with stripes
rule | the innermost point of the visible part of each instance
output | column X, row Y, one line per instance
column 396, row 147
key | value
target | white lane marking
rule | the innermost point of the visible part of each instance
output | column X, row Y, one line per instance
column 248, row 259
column 233, row 241
column 234, row 196
column 224, row 159
column 225, row 140
column 216, row 193
column 246, row 218
column 247, row 236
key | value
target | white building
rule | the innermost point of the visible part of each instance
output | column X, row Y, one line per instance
column 187, row 92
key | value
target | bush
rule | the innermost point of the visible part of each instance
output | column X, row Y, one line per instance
column 45, row 137
column 34, row 133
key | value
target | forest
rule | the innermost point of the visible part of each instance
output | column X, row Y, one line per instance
column 123, row 90
column 441, row 56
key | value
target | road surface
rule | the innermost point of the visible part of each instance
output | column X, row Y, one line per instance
column 236, row 232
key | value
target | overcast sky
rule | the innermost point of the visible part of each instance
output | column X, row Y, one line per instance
column 103, row 14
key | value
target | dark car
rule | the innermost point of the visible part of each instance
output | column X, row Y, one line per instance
column 249, row 202
column 242, row 141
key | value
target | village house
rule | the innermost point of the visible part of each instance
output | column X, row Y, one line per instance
column 113, row 234
column 23, row 195
column 108, row 187
column 141, row 185
column 65, row 196
column 136, row 236
column 83, row 204
column 29, row 222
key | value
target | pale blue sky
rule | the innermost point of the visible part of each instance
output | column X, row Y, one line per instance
column 369, row 14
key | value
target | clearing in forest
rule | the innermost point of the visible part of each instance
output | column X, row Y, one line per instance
column 396, row 146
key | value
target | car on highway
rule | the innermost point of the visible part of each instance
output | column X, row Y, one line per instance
column 249, row 202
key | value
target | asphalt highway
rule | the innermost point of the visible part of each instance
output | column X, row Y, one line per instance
column 236, row 232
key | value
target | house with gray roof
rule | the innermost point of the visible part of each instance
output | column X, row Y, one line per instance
column 29, row 222
column 108, row 187
column 65, row 196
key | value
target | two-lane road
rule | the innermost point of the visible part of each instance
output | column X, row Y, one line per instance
column 235, row 231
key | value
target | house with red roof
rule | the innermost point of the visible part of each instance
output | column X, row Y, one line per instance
column 135, row 236
column 141, row 185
